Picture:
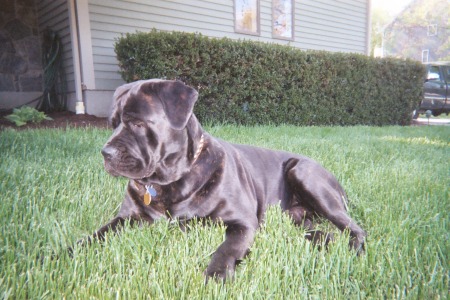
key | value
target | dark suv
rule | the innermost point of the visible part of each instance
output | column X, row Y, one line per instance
column 436, row 89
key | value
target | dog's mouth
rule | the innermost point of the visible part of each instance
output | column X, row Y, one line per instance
column 110, row 169
column 146, row 176
column 129, row 170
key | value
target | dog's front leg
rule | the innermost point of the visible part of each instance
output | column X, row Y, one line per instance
column 113, row 226
column 236, row 245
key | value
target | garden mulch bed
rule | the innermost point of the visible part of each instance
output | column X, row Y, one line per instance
column 66, row 118
column 60, row 120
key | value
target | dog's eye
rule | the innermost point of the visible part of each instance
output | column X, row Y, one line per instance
column 132, row 122
column 137, row 124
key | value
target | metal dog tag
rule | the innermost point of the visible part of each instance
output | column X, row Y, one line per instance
column 151, row 190
column 147, row 199
column 149, row 193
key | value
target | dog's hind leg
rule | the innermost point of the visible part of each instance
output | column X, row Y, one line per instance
column 319, row 190
column 303, row 217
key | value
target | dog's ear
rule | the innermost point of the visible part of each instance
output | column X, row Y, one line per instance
column 117, row 105
column 177, row 99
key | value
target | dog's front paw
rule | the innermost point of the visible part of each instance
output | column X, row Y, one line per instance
column 357, row 244
column 220, row 271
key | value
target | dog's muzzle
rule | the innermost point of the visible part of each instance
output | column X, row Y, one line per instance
column 118, row 163
column 109, row 153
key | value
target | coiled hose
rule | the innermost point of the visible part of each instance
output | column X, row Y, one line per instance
column 54, row 97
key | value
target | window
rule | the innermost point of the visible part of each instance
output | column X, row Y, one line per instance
column 433, row 73
column 283, row 19
column 246, row 16
column 425, row 54
column 432, row 30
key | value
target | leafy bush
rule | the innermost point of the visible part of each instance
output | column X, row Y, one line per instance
column 247, row 82
column 21, row 116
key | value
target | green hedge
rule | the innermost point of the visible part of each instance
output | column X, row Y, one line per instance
column 247, row 82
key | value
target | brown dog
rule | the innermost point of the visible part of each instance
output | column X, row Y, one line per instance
column 177, row 170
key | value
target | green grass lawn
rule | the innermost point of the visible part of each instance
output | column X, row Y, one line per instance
column 54, row 191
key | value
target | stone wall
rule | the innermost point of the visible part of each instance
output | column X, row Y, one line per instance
column 20, row 48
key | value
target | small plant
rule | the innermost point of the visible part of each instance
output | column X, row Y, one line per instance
column 25, row 114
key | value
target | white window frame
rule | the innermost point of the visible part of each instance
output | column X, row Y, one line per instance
column 425, row 55
column 432, row 30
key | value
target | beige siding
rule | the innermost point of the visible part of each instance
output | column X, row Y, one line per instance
column 332, row 25
column 54, row 14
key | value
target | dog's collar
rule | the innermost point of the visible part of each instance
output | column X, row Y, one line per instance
column 199, row 149
column 150, row 191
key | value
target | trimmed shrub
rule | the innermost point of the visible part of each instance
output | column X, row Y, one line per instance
column 246, row 82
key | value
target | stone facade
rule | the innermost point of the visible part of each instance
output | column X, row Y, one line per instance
column 20, row 47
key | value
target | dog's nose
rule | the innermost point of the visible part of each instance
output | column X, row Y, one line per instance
column 109, row 152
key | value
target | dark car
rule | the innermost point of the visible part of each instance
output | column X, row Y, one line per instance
column 436, row 89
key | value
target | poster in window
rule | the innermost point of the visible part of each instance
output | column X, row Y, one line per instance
column 246, row 14
column 282, row 19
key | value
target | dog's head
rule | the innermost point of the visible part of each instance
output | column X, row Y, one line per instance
column 149, row 118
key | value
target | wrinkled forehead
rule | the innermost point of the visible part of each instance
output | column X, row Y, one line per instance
column 139, row 102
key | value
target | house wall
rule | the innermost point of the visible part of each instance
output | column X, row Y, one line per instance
column 332, row 25
column 337, row 26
